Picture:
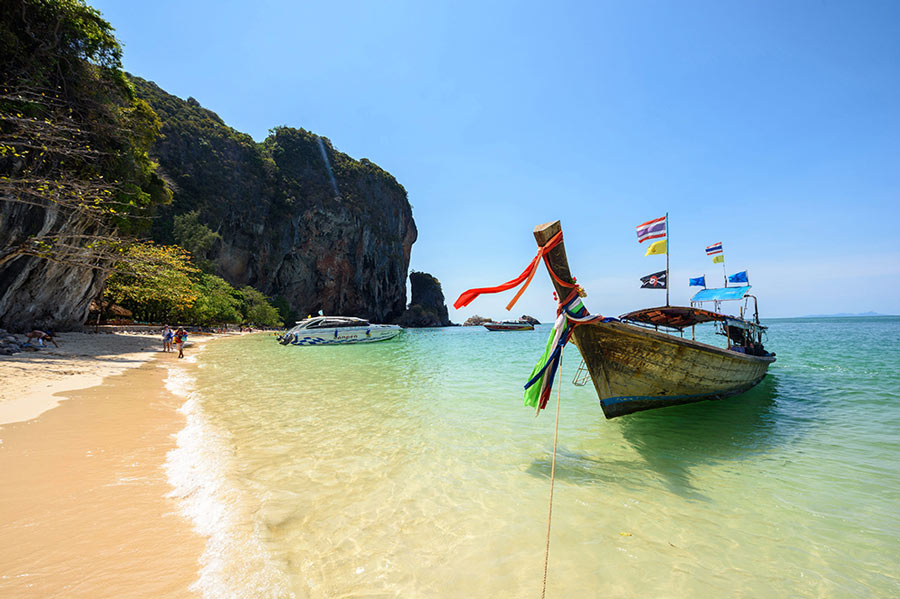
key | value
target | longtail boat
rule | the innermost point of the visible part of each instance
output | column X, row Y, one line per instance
column 509, row 325
column 634, row 365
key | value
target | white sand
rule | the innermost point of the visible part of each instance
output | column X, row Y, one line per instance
column 31, row 381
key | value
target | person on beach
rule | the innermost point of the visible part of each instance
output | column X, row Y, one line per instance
column 180, row 336
column 167, row 336
column 40, row 336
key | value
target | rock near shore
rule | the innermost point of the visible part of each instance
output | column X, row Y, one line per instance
column 475, row 321
column 427, row 308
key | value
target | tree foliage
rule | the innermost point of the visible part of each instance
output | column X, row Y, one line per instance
column 158, row 283
column 257, row 309
column 153, row 281
column 217, row 302
column 78, row 185
column 74, row 139
column 196, row 238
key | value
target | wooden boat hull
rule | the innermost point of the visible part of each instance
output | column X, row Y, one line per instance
column 636, row 369
column 496, row 326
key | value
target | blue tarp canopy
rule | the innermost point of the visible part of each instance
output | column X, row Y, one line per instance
column 723, row 293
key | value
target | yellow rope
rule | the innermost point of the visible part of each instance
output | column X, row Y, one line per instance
column 552, row 478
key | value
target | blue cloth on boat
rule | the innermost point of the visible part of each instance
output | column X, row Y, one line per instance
column 721, row 293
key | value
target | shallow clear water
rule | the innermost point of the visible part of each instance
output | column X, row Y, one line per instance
column 410, row 468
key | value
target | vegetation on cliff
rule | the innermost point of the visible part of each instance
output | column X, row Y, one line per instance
column 78, row 186
column 159, row 283
column 74, row 138
column 92, row 162
column 302, row 222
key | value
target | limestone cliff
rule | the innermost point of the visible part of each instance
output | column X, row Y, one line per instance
column 75, row 176
column 427, row 308
column 36, row 292
column 298, row 219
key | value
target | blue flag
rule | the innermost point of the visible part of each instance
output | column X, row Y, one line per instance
column 738, row 277
column 698, row 282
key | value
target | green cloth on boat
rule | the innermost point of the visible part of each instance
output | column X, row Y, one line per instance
column 533, row 393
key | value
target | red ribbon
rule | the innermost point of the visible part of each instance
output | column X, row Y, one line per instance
column 466, row 297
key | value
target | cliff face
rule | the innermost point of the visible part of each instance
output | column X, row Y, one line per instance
column 427, row 308
column 36, row 292
column 297, row 218
column 74, row 170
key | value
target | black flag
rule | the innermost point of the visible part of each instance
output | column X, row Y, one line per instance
column 655, row 281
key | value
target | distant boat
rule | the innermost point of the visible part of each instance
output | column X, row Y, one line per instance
column 509, row 325
column 336, row 330
column 635, row 366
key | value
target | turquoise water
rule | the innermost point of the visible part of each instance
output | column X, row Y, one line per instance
column 410, row 468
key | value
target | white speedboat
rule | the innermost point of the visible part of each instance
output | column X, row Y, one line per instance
column 333, row 330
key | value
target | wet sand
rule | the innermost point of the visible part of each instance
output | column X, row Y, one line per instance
column 84, row 510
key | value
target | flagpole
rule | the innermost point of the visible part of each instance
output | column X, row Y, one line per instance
column 667, row 259
column 724, row 272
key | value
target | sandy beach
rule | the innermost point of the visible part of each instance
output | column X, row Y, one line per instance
column 85, row 509
column 32, row 380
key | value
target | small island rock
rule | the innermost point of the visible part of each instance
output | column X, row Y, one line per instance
column 476, row 321
column 427, row 308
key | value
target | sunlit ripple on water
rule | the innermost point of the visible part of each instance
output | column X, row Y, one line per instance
column 410, row 468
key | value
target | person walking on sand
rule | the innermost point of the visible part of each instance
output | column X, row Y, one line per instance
column 180, row 336
column 167, row 336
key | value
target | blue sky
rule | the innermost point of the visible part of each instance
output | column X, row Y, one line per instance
column 772, row 127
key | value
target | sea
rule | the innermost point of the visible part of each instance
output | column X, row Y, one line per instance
column 411, row 468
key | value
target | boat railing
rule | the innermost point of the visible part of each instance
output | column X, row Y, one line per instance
column 582, row 375
column 654, row 327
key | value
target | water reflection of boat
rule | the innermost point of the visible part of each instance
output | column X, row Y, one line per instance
column 636, row 366
column 335, row 330
column 509, row 325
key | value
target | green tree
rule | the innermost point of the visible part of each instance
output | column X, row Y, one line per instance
column 217, row 302
column 285, row 312
column 196, row 238
column 153, row 281
column 74, row 139
column 258, row 310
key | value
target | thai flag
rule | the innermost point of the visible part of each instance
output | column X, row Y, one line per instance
column 652, row 229
column 712, row 250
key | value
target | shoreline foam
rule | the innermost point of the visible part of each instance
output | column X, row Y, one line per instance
column 84, row 508
column 235, row 561
column 87, row 506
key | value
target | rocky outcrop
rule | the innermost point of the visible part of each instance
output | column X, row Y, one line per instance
column 36, row 292
column 476, row 321
column 529, row 319
column 297, row 219
column 427, row 308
